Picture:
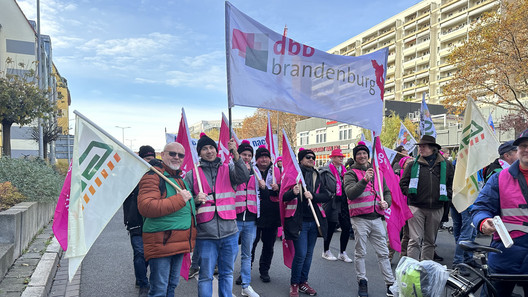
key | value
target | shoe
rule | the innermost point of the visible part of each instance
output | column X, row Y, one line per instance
column 328, row 256
column 463, row 270
column 249, row 292
column 363, row 288
column 143, row 292
column 193, row 272
column 215, row 271
column 306, row 289
column 239, row 281
column 294, row 290
column 344, row 257
column 389, row 292
column 437, row 258
column 474, row 264
column 265, row 278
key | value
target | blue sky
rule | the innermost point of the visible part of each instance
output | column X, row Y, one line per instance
column 136, row 63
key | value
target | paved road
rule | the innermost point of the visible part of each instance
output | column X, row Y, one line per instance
column 107, row 270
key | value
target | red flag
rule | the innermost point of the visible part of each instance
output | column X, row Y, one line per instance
column 291, row 175
column 270, row 141
column 399, row 212
column 184, row 138
column 223, row 140
column 60, row 219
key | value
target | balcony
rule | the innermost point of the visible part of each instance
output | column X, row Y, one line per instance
column 478, row 9
column 462, row 31
column 422, row 60
column 409, row 50
column 452, row 5
column 445, row 51
column 388, row 96
column 422, row 74
column 453, row 21
column 423, row 45
column 409, row 64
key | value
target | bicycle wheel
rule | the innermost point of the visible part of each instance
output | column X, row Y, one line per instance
column 458, row 286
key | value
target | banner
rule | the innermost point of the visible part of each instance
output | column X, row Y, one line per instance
column 478, row 148
column 405, row 139
column 60, row 218
column 398, row 213
column 268, row 70
column 426, row 122
column 104, row 172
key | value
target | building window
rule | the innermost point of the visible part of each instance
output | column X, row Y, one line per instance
column 303, row 138
column 345, row 132
column 320, row 136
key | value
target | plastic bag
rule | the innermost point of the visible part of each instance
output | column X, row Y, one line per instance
column 419, row 279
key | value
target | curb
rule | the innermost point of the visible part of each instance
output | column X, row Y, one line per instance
column 42, row 277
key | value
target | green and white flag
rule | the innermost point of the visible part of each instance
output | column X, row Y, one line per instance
column 478, row 148
column 104, row 173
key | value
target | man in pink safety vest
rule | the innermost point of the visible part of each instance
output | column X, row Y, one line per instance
column 506, row 195
column 366, row 210
column 216, row 239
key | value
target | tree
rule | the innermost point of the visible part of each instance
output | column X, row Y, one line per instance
column 21, row 101
column 516, row 121
column 50, row 132
column 255, row 125
column 492, row 64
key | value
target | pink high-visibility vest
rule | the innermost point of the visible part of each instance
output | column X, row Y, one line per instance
column 367, row 202
column 223, row 201
column 291, row 206
column 246, row 196
column 514, row 209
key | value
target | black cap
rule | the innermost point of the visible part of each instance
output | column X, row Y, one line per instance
column 262, row 151
column 245, row 146
column 303, row 152
column 521, row 138
column 506, row 147
column 146, row 151
column 361, row 146
column 203, row 141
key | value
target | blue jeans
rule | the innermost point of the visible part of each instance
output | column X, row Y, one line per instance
column 304, row 246
column 246, row 232
column 164, row 275
column 223, row 251
column 462, row 230
column 140, row 265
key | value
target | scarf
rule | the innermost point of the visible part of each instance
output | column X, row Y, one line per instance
column 335, row 172
column 415, row 173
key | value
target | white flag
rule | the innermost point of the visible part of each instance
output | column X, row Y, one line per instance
column 405, row 138
column 104, row 173
column 268, row 70
column 478, row 148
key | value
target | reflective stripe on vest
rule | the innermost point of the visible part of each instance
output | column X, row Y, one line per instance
column 366, row 202
column 246, row 196
column 223, row 200
column 291, row 206
column 511, row 197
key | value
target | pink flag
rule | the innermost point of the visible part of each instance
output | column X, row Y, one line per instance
column 184, row 138
column 270, row 142
column 399, row 212
column 60, row 219
column 290, row 177
column 223, row 140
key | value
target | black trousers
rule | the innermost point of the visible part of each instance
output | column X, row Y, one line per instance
column 344, row 222
column 268, row 237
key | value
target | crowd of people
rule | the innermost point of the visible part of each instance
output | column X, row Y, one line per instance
column 217, row 209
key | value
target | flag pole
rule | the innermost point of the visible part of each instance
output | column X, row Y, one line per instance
column 230, row 122
column 313, row 212
column 128, row 150
column 374, row 154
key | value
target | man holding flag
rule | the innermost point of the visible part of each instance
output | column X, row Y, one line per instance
column 366, row 209
column 217, row 230
column 169, row 221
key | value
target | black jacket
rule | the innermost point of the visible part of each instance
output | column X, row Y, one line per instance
column 269, row 210
column 428, row 190
column 492, row 169
column 293, row 225
column 337, row 203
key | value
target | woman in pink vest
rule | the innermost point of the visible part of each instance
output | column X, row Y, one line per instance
column 366, row 210
column 299, row 222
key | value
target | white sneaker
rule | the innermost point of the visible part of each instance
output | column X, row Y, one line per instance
column 328, row 256
column 344, row 257
column 249, row 292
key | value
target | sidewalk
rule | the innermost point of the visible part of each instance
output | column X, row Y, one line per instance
column 32, row 273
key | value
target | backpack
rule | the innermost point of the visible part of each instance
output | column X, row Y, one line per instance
column 420, row 279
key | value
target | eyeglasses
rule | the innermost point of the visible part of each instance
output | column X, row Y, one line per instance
column 310, row 157
column 173, row 154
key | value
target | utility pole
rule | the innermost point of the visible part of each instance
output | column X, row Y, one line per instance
column 123, row 133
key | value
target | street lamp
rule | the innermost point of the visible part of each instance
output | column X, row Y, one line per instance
column 123, row 132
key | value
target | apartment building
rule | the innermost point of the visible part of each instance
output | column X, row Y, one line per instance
column 419, row 39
